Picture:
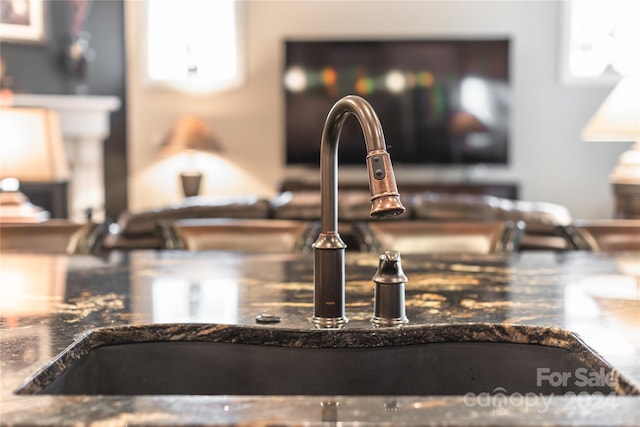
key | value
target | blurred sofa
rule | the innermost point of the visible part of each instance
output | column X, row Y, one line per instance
column 140, row 230
column 544, row 221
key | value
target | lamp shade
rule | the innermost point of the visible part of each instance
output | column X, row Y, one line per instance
column 189, row 133
column 618, row 118
column 31, row 146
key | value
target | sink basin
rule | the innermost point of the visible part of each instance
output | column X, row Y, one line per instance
column 232, row 360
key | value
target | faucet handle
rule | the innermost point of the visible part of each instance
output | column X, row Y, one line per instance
column 389, row 306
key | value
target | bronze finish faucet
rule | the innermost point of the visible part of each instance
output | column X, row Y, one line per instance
column 329, row 249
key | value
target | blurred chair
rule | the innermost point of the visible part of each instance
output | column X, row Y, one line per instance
column 542, row 219
column 606, row 235
column 139, row 230
column 56, row 236
column 423, row 237
column 251, row 235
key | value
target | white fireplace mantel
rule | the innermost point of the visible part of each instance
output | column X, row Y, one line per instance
column 84, row 121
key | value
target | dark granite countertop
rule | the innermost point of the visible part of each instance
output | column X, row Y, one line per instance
column 48, row 303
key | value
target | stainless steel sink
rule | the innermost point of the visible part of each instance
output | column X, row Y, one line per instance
column 231, row 360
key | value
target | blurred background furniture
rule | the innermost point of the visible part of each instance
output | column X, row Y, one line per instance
column 32, row 151
column 56, row 236
column 138, row 230
column 86, row 123
column 252, row 235
column 53, row 197
column 16, row 207
column 618, row 120
column 429, row 237
column 542, row 219
column 615, row 235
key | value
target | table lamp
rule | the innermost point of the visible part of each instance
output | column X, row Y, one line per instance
column 190, row 134
column 32, row 150
column 618, row 120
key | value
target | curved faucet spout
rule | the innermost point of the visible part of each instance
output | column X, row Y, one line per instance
column 385, row 201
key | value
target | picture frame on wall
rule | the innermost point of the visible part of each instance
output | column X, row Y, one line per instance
column 22, row 21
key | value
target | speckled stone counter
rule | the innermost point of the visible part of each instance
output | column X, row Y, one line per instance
column 559, row 299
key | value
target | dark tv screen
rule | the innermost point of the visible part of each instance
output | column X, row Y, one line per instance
column 440, row 102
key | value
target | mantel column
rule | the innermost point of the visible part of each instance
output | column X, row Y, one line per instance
column 85, row 125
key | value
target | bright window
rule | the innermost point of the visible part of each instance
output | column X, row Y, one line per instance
column 601, row 40
column 194, row 45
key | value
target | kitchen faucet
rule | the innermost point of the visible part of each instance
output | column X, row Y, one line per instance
column 329, row 249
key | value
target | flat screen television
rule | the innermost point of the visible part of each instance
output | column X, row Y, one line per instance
column 440, row 102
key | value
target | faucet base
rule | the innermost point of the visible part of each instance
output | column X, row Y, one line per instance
column 329, row 322
column 389, row 322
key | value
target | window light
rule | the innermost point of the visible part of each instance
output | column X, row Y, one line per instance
column 194, row 45
column 602, row 38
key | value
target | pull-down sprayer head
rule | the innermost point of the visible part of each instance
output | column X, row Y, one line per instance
column 385, row 200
